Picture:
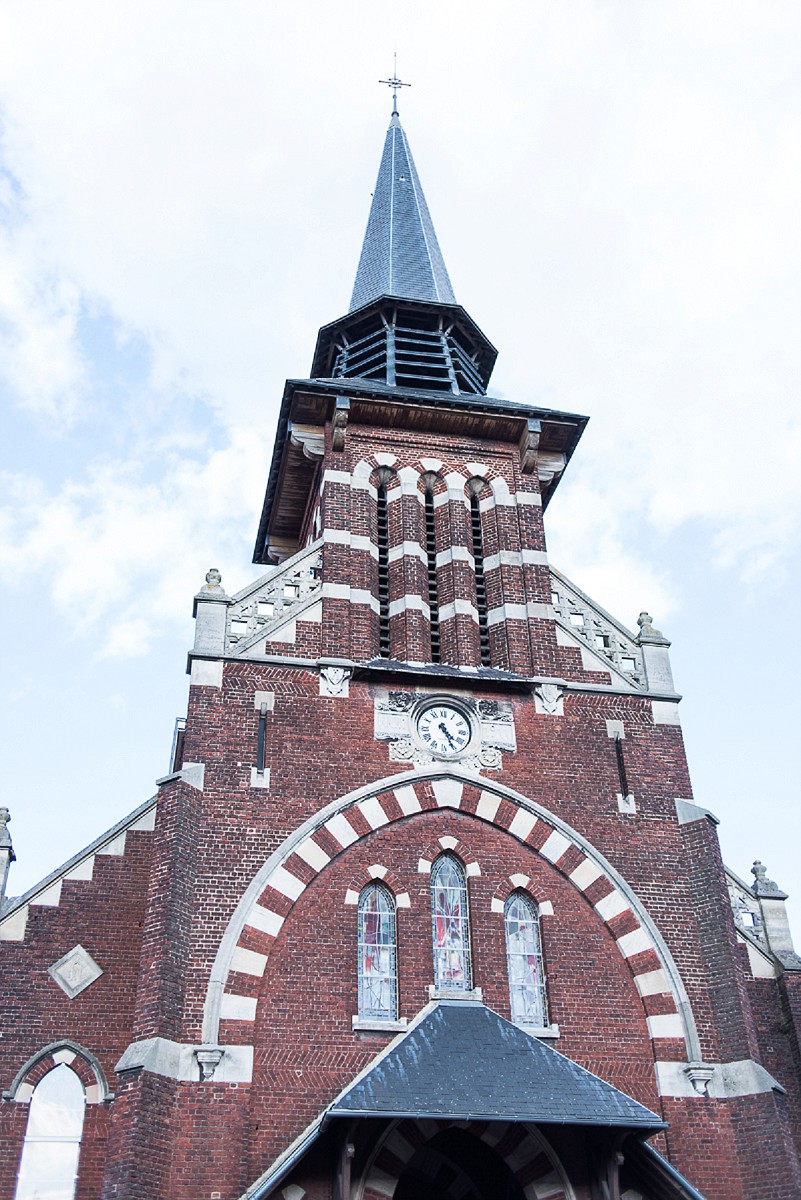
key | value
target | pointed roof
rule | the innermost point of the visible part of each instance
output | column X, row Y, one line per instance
column 430, row 1071
column 400, row 254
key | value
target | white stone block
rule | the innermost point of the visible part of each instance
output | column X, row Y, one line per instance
column 147, row 821
column 665, row 1025
column 238, row 1008
column 264, row 919
column 206, row 673
column 248, row 961
column 447, row 792
column 85, row 868
column 585, row 874
column 313, row 854
column 286, row 883
column 50, row 896
column 407, row 800
column 612, row 905
column 665, row 712
column 115, row 846
column 340, row 828
column 12, row 929
column 372, row 812
column 634, row 943
column 652, row 983
column 555, row 846
column 487, row 806
column 522, row 824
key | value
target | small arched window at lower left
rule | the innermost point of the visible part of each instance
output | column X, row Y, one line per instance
column 49, row 1164
column 378, row 972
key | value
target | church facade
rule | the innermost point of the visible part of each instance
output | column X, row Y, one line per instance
column 425, row 907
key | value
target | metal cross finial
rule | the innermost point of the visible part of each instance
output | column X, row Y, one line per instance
column 395, row 83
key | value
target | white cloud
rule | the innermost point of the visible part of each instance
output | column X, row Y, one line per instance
column 40, row 358
column 121, row 556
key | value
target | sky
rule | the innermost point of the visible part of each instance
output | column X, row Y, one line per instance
column 184, row 187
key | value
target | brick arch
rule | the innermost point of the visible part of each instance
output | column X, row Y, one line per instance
column 56, row 1054
column 434, row 480
column 377, row 874
column 386, row 475
column 518, row 883
column 525, row 1151
column 449, row 845
column 233, row 989
column 480, row 487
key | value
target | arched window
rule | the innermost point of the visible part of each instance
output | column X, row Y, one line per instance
column 450, row 925
column 49, row 1163
column 477, row 539
column 524, row 961
column 382, row 518
column 431, row 561
column 378, row 973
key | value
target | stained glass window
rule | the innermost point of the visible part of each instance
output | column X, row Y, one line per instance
column 450, row 926
column 524, row 960
column 378, row 983
column 49, row 1163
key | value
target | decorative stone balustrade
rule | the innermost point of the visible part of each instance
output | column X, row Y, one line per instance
column 597, row 628
column 280, row 596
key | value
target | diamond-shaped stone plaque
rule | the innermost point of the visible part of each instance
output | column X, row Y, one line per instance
column 75, row 971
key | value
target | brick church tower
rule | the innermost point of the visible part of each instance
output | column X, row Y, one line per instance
column 425, row 907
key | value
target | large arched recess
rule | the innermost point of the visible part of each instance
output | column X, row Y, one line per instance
column 268, row 899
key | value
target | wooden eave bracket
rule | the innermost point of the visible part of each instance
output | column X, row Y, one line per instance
column 529, row 445
column 339, row 422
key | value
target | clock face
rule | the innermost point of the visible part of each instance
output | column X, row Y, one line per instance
column 444, row 730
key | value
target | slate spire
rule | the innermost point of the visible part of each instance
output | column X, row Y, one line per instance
column 400, row 254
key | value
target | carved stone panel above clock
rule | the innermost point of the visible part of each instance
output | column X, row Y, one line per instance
column 431, row 727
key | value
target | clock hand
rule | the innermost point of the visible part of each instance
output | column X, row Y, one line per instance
column 444, row 729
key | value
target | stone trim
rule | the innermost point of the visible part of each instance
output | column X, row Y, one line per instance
column 80, row 867
column 85, row 1065
column 177, row 1060
column 642, row 946
column 723, row 1081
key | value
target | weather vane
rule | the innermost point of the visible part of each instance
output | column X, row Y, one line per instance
column 394, row 83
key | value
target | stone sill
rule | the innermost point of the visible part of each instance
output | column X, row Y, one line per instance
column 377, row 1025
column 454, row 993
column 540, row 1031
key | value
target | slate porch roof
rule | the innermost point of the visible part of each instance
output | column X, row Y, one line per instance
column 459, row 1060
column 465, row 1062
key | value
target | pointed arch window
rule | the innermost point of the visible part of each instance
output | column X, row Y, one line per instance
column 52, row 1146
column 378, row 973
column 524, row 962
column 450, row 925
